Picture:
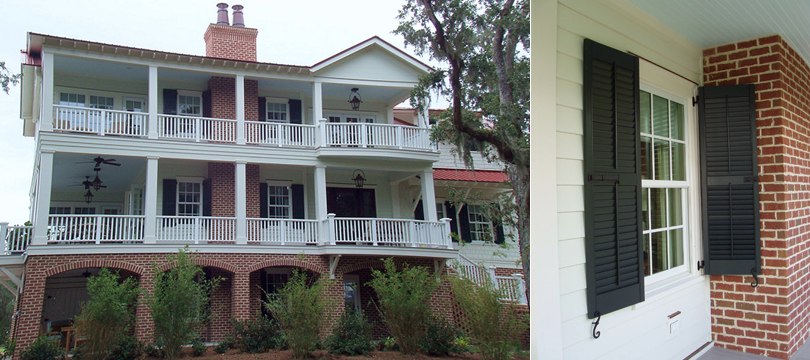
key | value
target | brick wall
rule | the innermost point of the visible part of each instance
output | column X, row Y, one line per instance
column 228, row 42
column 771, row 319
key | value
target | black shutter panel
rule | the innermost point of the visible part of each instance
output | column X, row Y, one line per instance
column 419, row 211
column 450, row 212
column 263, row 200
column 170, row 101
column 207, row 104
column 262, row 108
column 297, row 201
column 613, row 241
column 169, row 197
column 206, row 197
column 464, row 224
column 730, row 198
column 295, row 111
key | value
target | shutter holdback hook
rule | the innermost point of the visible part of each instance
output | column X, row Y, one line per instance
column 756, row 277
column 596, row 334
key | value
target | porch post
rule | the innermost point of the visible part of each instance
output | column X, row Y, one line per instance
column 46, row 117
column 240, row 110
column 152, row 125
column 43, row 198
column 150, row 201
column 428, row 195
column 241, row 202
column 320, row 202
column 317, row 101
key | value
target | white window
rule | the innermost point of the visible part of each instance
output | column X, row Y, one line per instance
column 440, row 210
column 351, row 292
column 59, row 210
column 189, row 198
column 277, row 110
column 480, row 226
column 278, row 201
column 101, row 102
column 84, row 210
column 70, row 99
column 664, row 183
column 189, row 103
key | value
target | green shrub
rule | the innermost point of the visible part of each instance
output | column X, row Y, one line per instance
column 43, row 348
column 198, row 347
column 351, row 336
column 298, row 308
column 389, row 344
column 224, row 345
column 127, row 348
column 439, row 338
column 8, row 347
column 257, row 335
column 179, row 302
column 107, row 316
column 154, row 350
column 402, row 297
column 493, row 328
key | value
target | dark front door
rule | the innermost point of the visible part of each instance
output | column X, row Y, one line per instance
column 351, row 202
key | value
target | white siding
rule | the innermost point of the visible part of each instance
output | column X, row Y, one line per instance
column 450, row 159
column 641, row 331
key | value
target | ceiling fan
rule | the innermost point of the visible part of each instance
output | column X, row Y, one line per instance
column 98, row 160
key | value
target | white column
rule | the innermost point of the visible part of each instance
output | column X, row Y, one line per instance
column 43, row 198
column 240, row 109
column 241, row 202
column 150, row 201
column 317, row 101
column 152, row 128
column 428, row 195
column 46, row 117
column 320, row 192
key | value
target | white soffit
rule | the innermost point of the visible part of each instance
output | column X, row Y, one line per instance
column 717, row 22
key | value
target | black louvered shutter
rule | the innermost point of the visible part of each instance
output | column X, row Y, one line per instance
column 464, row 224
column 730, row 199
column 170, row 101
column 263, row 200
column 450, row 212
column 295, row 111
column 262, row 108
column 297, row 201
column 613, row 241
column 207, row 104
column 169, row 197
column 207, row 197
column 419, row 211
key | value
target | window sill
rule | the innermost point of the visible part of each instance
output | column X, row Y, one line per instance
column 670, row 286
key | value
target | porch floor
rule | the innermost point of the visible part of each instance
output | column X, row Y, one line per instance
column 717, row 353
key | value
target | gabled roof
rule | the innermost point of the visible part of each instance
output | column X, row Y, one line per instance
column 372, row 41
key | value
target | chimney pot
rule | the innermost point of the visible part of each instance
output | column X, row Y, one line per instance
column 222, row 14
column 238, row 17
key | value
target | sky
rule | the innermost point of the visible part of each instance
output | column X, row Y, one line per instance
column 300, row 32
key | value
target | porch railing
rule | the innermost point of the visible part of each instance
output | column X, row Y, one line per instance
column 282, row 231
column 195, row 128
column 510, row 288
column 396, row 232
column 99, row 121
column 378, row 135
column 96, row 229
column 16, row 238
column 280, row 134
column 195, row 229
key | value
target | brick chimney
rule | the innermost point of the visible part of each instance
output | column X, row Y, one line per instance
column 235, row 42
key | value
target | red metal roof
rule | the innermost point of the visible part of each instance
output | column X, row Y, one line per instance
column 469, row 175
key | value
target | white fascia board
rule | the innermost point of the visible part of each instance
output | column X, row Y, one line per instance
column 359, row 82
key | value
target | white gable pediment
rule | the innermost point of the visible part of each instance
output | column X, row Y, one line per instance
column 373, row 63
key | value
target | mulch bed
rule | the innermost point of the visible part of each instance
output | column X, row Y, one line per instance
column 321, row 354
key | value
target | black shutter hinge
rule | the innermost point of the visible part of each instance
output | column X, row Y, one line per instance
column 695, row 100
column 756, row 277
column 701, row 264
column 596, row 334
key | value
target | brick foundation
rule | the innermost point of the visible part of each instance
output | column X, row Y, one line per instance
column 771, row 319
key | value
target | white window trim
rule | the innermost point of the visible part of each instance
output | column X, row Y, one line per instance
column 124, row 100
column 286, row 184
column 354, row 278
column 690, row 194
column 276, row 100
column 189, row 93
column 362, row 116
column 177, row 195
column 491, row 226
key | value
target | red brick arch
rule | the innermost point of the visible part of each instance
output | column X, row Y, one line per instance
column 95, row 263
column 304, row 264
column 204, row 262
column 370, row 264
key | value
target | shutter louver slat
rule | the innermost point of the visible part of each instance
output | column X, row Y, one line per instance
column 730, row 190
column 613, row 180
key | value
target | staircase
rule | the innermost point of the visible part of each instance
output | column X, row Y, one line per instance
column 512, row 288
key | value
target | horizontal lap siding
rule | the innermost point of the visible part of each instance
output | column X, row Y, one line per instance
column 625, row 331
